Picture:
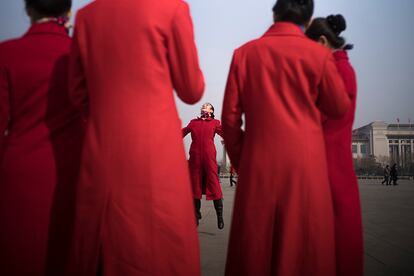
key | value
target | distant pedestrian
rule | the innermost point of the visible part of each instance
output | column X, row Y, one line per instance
column 232, row 174
column 386, row 175
column 394, row 175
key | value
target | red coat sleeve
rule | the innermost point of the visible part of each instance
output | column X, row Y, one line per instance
column 219, row 129
column 77, row 80
column 232, row 116
column 4, row 105
column 187, row 78
column 186, row 130
column 333, row 99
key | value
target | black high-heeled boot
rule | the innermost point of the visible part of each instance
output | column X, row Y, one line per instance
column 197, row 206
column 218, row 205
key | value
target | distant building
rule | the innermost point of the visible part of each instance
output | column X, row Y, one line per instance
column 388, row 143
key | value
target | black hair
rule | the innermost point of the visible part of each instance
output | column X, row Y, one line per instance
column 294, row 11
column 49, row 7
column 331, row 27
column 212, row 108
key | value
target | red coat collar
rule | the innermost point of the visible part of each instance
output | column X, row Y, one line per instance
column 341, row 55
column 284, row 29
column 47, row 28
column 206, row 119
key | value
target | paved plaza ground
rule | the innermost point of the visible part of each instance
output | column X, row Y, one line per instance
column 388, row 216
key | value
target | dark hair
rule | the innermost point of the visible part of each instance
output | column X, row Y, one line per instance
column 331, row 27
column 49, row 7
column 294, row 11
column 210, row 105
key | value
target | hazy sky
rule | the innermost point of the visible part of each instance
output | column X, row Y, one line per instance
column 380, row 30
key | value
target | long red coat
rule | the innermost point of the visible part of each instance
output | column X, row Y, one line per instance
column 39, row 164
column 283, row 220
column 135, row 211
column 344, row 185
column 203, row 163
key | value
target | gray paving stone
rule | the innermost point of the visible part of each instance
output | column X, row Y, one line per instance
column 388, row 216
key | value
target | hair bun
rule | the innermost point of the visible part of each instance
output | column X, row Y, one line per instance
column 337, row 23
column 301, row 2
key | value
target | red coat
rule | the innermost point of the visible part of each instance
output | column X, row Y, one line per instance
column 283, row 219
column 344, row 185
column 135, row 211
column 40, row 157
column 203, row 163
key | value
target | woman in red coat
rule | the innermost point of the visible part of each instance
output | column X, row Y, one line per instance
column 338, row 141
column 283, row 221
column 203, row 163
column 134, row 214
column 41, row 145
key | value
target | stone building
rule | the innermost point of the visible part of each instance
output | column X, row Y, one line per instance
column 388, row 143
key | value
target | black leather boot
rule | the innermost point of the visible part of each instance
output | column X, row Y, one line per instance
column 218, row 205
column 197, row 206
